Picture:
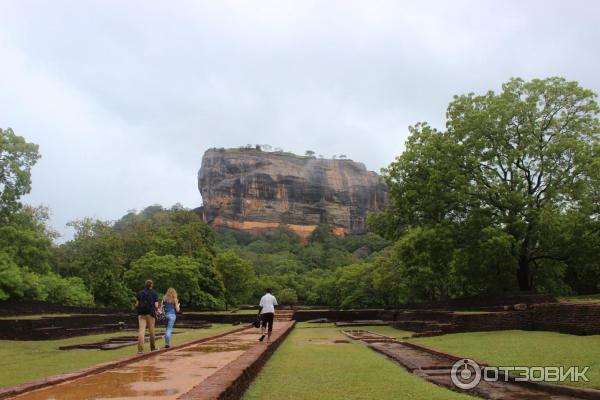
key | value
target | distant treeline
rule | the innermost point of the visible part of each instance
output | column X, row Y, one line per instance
column 279, row 151
column 506, row 198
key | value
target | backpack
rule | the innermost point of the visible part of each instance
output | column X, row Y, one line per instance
column 145, row 303
column 159, row 315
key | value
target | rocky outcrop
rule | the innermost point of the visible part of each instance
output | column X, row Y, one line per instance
column 253, row 190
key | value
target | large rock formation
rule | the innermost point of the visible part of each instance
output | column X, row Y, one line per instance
column 253, row 190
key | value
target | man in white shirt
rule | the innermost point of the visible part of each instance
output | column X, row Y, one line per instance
column 267, row 312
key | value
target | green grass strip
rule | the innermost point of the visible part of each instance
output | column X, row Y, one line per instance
column 525, row 348
column 309, row 365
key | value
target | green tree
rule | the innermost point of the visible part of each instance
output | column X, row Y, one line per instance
column 369, row 240
column 527, row 152
column 323, row 233
column 12, row 284
column 287, row 297
column 426, row 254
column 353, row 286
column 276, row 263
column 96, row 255
column 312, row 255
column 519, row 159
column 17, row 157
column 27, row 239
column 197, row 285
column 66, row 291
column 238, row 277
column 101, row 252
column 175, row 231
column 388, row 279
column 20, row 283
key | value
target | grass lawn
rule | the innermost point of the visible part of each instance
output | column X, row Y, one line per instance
column 515, row 348
column 308, row 365
column 583, row 299
column 22, row 361
column 382, row 330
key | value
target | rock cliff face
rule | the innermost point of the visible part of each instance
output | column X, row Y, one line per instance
column 252, row 190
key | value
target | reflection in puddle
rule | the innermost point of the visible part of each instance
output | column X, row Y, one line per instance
column 220, row 348
column 110, row 384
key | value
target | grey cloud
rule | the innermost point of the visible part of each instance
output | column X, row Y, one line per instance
column 124, row 97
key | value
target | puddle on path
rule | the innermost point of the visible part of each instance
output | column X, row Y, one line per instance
column 165, row 376
column 221, row 347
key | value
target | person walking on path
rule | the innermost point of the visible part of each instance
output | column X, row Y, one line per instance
column 170, row 305
column 147, row 305
column 267, row 312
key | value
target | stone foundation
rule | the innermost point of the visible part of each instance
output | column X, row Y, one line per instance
column 576, row 319
column 49, row 328
column 338, row 315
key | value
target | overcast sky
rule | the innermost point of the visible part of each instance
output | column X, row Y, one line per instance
column 124, row 97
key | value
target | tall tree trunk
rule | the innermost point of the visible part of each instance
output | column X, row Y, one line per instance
column 524, row 272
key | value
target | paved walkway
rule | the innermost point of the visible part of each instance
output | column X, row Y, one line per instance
column 167, row 375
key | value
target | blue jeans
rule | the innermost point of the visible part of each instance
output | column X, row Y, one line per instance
column 170, row 323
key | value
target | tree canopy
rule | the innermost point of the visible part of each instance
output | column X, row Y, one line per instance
column 506, row 197
column 238, row 277
column 17, row 157
column 508, row 171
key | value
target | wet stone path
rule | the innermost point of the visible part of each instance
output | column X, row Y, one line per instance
column 167, row 375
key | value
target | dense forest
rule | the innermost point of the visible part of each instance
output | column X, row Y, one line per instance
column 506, row 198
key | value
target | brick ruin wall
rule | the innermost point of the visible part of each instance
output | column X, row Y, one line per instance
column 337, row 315
column 59, row 327
column 576, row 319
column 496, row 321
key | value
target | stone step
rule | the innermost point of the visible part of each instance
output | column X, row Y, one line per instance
column 442, row 372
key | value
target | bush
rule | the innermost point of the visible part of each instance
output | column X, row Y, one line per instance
column 238, row 277
column 21, row 283
column 68, row 292
column 11, row 279
column 288, row 297
column 196, row 285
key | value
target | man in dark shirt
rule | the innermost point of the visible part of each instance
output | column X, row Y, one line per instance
column 147, row 304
